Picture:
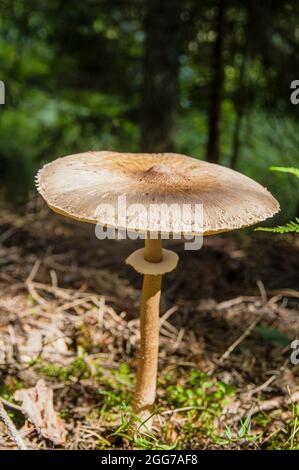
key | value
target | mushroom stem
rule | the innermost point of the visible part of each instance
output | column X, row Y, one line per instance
column 149, row 331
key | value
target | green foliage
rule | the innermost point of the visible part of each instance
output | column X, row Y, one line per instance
column 282, row 438
column 282, row 169
column 6, row 391
column 147, row 440
column 197, row 399
column 203, row 398
column 293, row 440
column 289, row 227
column 272, row 335
column 200, row 392
column 116, row 385
column 76, row 369
column 243, row 434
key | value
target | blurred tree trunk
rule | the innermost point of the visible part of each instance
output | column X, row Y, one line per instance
column 240, row 103
column 162, row 26
column 217, row 83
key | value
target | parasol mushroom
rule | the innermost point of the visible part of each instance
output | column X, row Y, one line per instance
column 86, row 186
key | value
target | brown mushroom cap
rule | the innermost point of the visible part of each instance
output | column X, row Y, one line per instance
column 79, row 185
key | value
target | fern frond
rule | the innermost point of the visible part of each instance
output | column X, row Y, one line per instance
column 289, row 227
column 284, row 169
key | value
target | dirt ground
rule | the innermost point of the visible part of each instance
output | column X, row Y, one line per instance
column 69, row 321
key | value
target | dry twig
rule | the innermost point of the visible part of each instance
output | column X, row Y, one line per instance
column 12, row 430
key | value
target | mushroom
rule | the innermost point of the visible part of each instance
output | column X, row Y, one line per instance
column 88, row 186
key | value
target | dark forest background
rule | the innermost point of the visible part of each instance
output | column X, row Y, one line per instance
column 207, row 78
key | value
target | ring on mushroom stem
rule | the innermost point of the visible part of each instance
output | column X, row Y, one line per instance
column 153, row 266
column 77, row 185
column 149, row 335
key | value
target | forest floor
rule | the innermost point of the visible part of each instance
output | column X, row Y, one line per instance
column 69, row 327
